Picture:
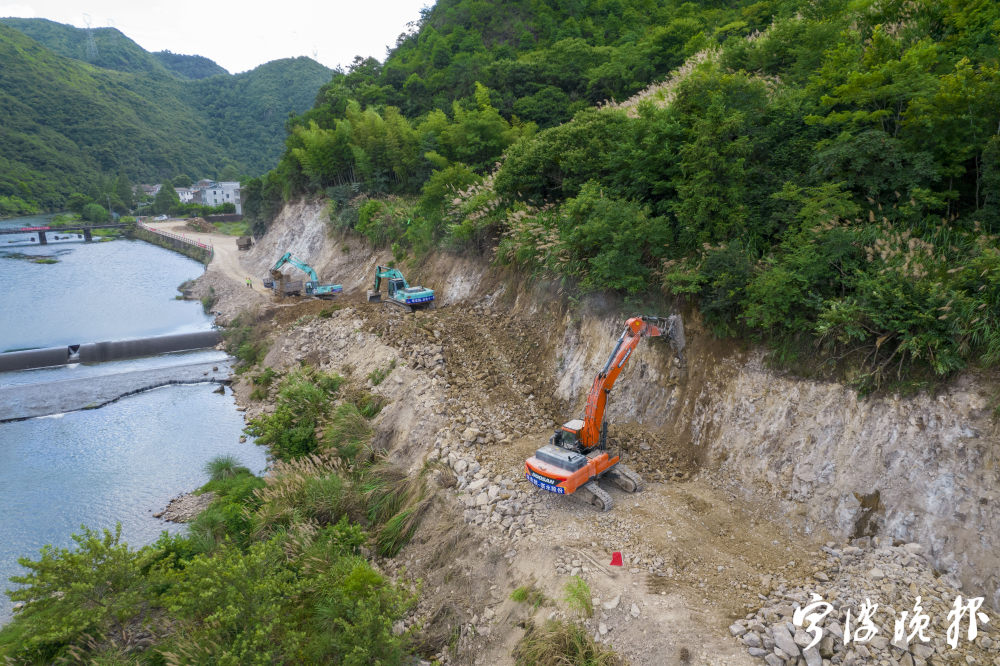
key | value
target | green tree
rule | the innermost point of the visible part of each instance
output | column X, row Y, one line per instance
column 124, row 192
column 166, row 200
column 230, row 173
column 611, row 242
column 93, row 212
column 79, row 595
column 77, row 201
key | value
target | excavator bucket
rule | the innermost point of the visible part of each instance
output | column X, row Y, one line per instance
column 675, row 331
column 672, row 328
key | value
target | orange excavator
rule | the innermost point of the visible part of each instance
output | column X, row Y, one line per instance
column 577, row 455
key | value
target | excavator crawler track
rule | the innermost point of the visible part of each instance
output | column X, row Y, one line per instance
column 402, row 306
column 598, row 496
column 625, row 478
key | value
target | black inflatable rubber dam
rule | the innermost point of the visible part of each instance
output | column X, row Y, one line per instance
column 99, row 352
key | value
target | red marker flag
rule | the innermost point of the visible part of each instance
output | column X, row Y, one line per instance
column 616, row 559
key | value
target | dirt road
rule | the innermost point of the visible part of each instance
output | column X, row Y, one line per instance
column 226, row 259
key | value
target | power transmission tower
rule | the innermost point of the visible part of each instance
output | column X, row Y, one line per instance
column 91, row 44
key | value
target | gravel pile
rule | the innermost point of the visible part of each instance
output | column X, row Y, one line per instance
column 507, row 507
column 892, row 576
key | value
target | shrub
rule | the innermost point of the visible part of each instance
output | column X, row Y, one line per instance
column 94, row 212
column 611, row 242
column 352, row 612
column 245, row 339
column 383, row 221
column 302, row 401
column 75, row 597
column 208, row 300
column 262, row 382
column 236, row 607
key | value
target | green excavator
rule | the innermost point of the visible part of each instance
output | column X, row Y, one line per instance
column 400, row 293
column 282, row 286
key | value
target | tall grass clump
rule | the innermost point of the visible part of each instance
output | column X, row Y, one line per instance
column 224, row 467
column 577, row 596
column 348, row 432
column 560, row 643
column 396, row 502
column 528, row 594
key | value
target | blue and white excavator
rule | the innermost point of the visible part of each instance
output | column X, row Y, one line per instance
column 400, row 293
column 282, row 286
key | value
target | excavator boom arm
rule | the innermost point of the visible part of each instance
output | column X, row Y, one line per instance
column 386, row 272
column 281, row 262
column 636, row 328
column 287, row 258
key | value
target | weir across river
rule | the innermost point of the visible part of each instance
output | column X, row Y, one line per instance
column 98, row 352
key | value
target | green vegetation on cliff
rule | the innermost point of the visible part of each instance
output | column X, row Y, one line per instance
column 821, row 176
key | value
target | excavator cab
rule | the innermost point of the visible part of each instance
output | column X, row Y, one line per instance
column 568, row 436
column 400, row 293
column 396, row 284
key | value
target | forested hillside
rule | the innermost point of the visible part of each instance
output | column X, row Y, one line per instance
column 190, row 66
column 246, row 113
column 820, row 175
column 108, row 48
column 69, row 123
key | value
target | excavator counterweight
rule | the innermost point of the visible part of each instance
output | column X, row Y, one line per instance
column 577, row 455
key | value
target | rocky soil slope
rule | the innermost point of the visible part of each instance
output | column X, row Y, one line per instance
column 763, row 489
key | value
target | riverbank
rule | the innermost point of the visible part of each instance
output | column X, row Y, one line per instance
column 189, row 247
column 477, row 383
column 185, row 507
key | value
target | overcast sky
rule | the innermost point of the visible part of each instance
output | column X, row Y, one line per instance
column 241, row 35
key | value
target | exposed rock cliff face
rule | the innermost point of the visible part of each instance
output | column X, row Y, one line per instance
column 918, row 469
column 921, row 469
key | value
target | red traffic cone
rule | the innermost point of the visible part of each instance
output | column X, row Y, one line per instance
column 616, row 559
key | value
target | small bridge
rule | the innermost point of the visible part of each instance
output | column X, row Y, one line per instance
column 82, row 229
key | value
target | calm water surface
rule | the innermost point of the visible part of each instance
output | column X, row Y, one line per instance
column 97, row 291
column 125, row 461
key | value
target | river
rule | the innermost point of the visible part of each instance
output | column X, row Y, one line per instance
column 124, row 461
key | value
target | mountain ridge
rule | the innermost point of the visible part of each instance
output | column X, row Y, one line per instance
column 150, row 117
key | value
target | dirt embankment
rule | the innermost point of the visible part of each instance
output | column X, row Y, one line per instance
column 750, row 475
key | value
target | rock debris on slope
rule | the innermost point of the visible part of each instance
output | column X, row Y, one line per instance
column 489, row 389
column 894, row 577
